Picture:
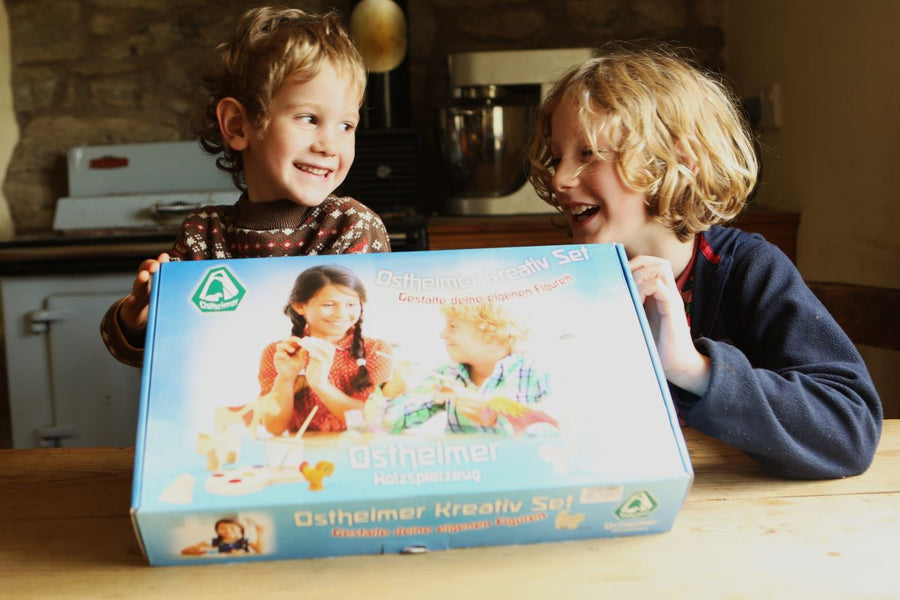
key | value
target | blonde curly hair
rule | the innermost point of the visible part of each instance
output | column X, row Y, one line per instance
column 271, row 45
column 494, row 320
column 676, row 135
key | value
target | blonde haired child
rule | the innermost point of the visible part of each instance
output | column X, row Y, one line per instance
column 494, row 321
column 282, row 110
column 643, row 148
column 489, row 385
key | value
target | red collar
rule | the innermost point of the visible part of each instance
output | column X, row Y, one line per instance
column 683, row 277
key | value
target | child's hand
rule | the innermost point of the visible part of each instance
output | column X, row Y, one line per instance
column 442, row 393
column 467, row 403
column 251, row 523
column 290, row 358
column 197, row 549
column 321, row 357
column 395, row 386
column 134, row 310
column 475, row 409
column 683, row 365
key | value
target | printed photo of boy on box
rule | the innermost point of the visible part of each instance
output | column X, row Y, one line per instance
column 489, row 386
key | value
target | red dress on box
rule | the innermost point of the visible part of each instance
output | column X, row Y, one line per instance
column 343, row 370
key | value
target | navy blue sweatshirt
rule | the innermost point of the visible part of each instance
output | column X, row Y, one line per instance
column 788, row 387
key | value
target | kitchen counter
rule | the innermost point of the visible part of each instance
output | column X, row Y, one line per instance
column 45, row 254
column 117, row 251
column 67, row 534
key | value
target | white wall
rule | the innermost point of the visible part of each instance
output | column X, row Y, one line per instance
column 836, row 157
column 9, row 130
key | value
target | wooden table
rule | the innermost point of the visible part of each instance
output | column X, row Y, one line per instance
column 65, row 533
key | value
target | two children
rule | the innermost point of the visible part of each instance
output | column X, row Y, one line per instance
column 639, row 148
column 644, row 149
column 282, row 111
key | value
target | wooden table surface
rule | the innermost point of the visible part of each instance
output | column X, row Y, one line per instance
column 65, row 533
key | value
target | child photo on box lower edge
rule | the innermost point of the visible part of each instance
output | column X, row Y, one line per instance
column 326, row 364
column 231, row 538
column 489, row 387
column 642, row 147
column 281, row 113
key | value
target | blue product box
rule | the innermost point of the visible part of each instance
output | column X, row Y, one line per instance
column 379, row 403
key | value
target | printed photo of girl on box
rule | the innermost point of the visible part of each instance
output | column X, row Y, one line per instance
column 326, row 363
column 231, row 538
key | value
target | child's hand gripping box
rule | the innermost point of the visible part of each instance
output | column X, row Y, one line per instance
column 353, row 404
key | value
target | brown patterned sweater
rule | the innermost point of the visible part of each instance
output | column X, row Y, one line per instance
column 249, row 230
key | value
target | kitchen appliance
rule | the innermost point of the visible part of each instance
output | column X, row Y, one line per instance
column 135, row 187
column 388, row 173
column 379, row 31
column 484, row 133
column 125, row 204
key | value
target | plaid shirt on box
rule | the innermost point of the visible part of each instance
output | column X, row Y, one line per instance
column 515, row 377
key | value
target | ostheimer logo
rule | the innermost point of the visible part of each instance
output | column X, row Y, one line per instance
column 219, row 291
column 639, row 504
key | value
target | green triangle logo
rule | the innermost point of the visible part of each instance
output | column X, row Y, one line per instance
column 220, row 291
column 639, row 504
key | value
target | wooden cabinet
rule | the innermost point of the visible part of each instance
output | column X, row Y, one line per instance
column 451, row 233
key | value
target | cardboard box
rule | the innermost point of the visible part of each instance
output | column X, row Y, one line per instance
column 599, row 454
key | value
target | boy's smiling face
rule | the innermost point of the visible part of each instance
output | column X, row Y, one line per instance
column 308, row 146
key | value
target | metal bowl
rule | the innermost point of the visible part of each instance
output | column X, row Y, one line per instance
column 483, row 146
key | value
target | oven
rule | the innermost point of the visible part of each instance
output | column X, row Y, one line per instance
column 125, row 204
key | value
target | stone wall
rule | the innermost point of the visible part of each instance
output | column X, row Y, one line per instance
column 121, row 71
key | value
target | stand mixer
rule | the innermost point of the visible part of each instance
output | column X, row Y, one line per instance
column 485, row 132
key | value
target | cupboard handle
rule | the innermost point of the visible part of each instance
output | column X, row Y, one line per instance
column 162, row 210
column 39, row 320
column 50, row 435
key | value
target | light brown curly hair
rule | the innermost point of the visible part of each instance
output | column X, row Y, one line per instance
column 271, row 45
column 676, row 134
column 495, row 321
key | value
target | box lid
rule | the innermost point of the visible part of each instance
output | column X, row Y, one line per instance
column 611, row 422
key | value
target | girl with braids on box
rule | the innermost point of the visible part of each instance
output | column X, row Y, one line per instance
column 231, row 537
column 326, row 362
